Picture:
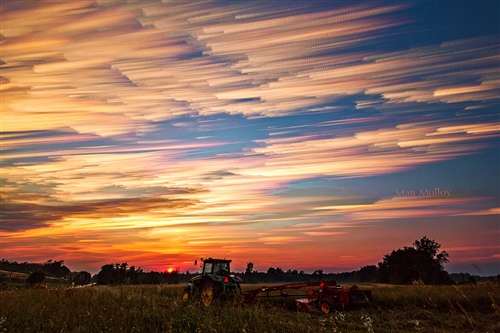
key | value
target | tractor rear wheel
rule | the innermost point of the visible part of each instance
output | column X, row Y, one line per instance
column 326, row 306
column 209, row 292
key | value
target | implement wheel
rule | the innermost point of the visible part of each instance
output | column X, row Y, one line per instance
column 326, row 306
column 209, row 292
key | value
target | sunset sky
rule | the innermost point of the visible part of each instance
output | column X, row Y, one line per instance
column 295, row 134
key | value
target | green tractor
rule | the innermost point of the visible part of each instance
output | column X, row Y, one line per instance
column 214, row 283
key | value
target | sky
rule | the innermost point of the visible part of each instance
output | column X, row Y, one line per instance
column 295, row 134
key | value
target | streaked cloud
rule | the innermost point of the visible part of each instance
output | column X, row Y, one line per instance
column 161, row 131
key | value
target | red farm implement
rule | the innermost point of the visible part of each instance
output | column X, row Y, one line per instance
column 327, row 297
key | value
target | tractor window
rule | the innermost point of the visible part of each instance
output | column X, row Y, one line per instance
column 221, row 268
column 208, row 268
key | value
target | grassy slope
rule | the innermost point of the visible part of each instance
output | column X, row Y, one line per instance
column 160, row 309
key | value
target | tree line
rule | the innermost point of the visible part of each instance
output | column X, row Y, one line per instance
column 50, row 268
column 37, row 273
column 420, row 263
column 113, row 274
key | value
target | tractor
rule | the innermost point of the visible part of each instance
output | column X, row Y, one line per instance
column 214, row 283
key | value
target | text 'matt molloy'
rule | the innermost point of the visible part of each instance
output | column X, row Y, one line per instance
column 436, row 192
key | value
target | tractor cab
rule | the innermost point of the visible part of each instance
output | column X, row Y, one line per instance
column 217, row 267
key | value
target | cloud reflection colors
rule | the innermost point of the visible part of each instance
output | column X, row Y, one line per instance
column 281, row 134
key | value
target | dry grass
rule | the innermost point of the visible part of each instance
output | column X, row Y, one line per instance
column 160, row 309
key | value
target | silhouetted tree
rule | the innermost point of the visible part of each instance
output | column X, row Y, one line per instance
column 56, row 269
column 112, row 274
column 367, row 273
column 318, row 273
column 134, row 275
column 106, row 274
column 248, row 278
column 275, row 274
column 421, row 262
column 80, row 278
column 271, row 274
column 249, row 268
column 429, row 249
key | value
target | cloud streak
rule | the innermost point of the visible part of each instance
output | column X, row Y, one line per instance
column 187, row 127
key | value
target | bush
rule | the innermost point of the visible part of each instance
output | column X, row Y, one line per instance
column 35, row 279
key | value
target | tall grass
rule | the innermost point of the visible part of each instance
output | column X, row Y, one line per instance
column 160, row 309
column 438, row 308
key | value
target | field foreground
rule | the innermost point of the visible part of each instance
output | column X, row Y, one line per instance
column 160, row 309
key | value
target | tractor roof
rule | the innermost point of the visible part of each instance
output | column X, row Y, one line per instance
column 217, row 260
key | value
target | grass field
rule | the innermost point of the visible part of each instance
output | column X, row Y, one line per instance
column 160, row 309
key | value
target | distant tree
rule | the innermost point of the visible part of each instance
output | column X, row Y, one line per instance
column 112, row 274
column 133, row 275
column 249, row 276
column 421, row 262
column 155, row 277
column 318, row 273
column 275, row 274
column 292, row 275
column 80, row 278
column 106, row 274
column 35, row 279
column 249, row 268
column 429, row 248
column 56, row 269
column 367, row 273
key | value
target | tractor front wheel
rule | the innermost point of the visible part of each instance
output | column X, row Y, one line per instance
column 209, row 292
column 186, row 295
